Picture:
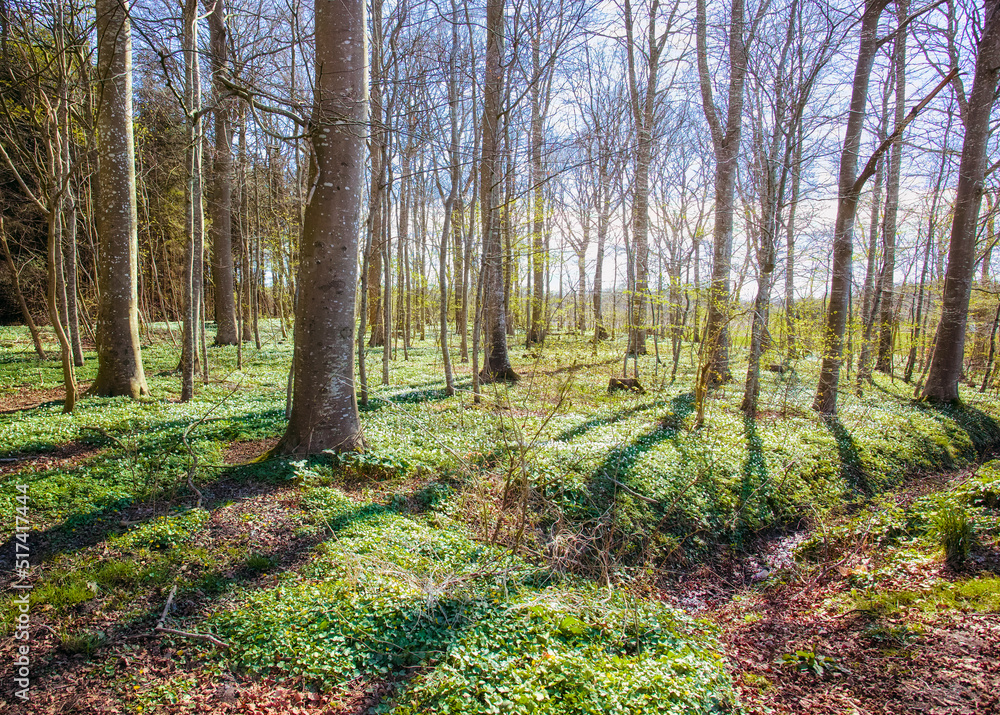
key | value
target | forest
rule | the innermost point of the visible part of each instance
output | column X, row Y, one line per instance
column 536, row 357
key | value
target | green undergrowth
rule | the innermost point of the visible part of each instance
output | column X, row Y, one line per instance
column 632, row 466
column 463, row 627
column 970, row 507
column 120, row 572
column 974, row 595
column 404, row 586
column 890, row 554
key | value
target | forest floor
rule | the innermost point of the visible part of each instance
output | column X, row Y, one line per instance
column 788, row 563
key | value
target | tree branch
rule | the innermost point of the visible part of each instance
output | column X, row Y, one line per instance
column 872, row 164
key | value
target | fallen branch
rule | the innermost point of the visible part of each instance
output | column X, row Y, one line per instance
column 632, row 491
column 166, row 607
column 160, row 628
column 199, row 636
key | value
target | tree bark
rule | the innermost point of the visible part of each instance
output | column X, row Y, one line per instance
column 726, row 143
column 324, row 413
column 497, row 363
column 536, row 330
column 847, row 207
column 375, row 199
column 119, row 361
column 885, row 322
column 194, row 213
column 946, row 364
column 222, row 190
column 642, row 104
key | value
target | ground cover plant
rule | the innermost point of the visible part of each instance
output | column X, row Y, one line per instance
column 536, row 552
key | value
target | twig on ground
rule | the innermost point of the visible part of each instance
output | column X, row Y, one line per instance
column 166, row 607
column 160, row 628
column 199, row 636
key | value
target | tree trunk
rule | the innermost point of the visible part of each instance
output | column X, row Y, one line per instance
column 536, row 329
column 68, row 289
column 793, row 201
column 375, row 198
column 119, row 362
column 222, row 191
column 946, row 364
column 449, row 204
column 65, row 349
column 72, row 307
column 884, row 361
column 726, row 143
column 872, row 293
column 194, row 217
column 497, row 363
column 847, row 207
column 993, row 348
column 324, row 411
column 603, row 219
column 642, row 105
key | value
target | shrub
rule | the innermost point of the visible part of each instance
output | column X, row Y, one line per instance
column 954, row 531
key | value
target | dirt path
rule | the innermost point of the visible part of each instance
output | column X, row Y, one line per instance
column 796, row 645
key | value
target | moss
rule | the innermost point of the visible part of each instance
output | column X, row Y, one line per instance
column 976, row 595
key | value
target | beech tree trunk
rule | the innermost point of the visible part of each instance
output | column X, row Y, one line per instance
column 449, row 203
column 119, row 362
column 194, row 219
column 539, row 257
column 642, row 103
column 872, row 287
column 324, row 413
column 497, row 363
column 790, row 349
column 222, row 191
column 847, row 208
column 65, row 349
column 946, row 364
column 375, row 198
column 726, row 143
column 885, row 301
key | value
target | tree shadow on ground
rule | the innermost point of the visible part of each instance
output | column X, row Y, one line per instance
column 982, row 429
column 411, row 397
column 113, row 514
column 579, row 366
column 612, row 475
column 754, row 482
column 620, row 416
column 404, row 643
column 852, row 469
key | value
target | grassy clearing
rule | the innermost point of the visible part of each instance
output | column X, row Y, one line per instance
column 466, row 628
column 395, row 564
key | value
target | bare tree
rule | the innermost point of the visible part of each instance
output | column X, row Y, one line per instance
column 726, row 142
column 847, row 206
column 221, row 204
column 119, row 362
column 193, row 196
column 324, row 411
column 494, row 307
column 889, row 226
column 946, row 364
column 642, row 102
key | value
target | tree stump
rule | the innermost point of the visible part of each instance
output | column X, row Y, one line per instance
column 625, row 384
